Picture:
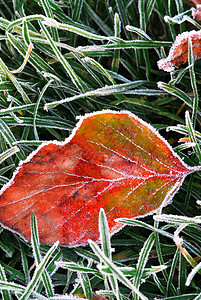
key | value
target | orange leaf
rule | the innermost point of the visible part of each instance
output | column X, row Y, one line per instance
column 112, row 160
column 179, row 51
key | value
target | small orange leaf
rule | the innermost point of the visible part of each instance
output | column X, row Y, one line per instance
column 179, row 51
column 196, row 13
column 184, row 140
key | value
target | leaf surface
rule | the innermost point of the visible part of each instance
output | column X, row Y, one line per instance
column 112, row 160
column 179, row 51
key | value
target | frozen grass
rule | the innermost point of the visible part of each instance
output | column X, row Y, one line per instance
column 61, row 59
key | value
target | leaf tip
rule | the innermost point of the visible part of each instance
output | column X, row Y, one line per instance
column 50, row 22
column 46, row 106
column 16, row 149
column 160, row 84
column 165, row 65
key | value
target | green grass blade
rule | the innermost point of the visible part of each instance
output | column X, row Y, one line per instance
column 48, row 11
column 123, row 15
column 177, row 93
column 18, row 289
column 36, row 251
column 38, row 272
column 131, row 222
column 192, row 274
column 177, row 219
column 15, row 82
column 74, row 77
column 136, row 44
column 86, row 285
column 36, row 108
column 16, row 108
column 26, row 35
column 192, row 136
column 138, row 31
column 78, row 5
column 21, row 68
column 104, row 234
column 172, row 272
column 117, row 32
column 76, row 30
column 182, row 274
column 3, row 180
column 149, row 9
column 115, row 270
column 10, row 138
column 107, row 90
column 193, row 81
column 5, row 293
column 95, row 16
column 24, row 262
column 34, row 59
column 75, row 267
column 170, row 13
column 198, row 297
column 97, row 66
column 12, row 25
column 143, row 25
column 50, row 122
column 142, row 260
column 8, row 153
column 192, row 21
column 161, row 261
column 106, row 247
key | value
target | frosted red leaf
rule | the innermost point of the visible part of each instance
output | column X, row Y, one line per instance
column 196, row 13
column 179, row 51
column 112, row 160
column 196, row 2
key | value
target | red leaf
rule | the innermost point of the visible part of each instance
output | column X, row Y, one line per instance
column 111, row 160
column 196, row 2
column 196, row 13
column 179, row 51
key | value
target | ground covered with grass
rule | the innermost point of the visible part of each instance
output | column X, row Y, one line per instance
column 60, row 60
